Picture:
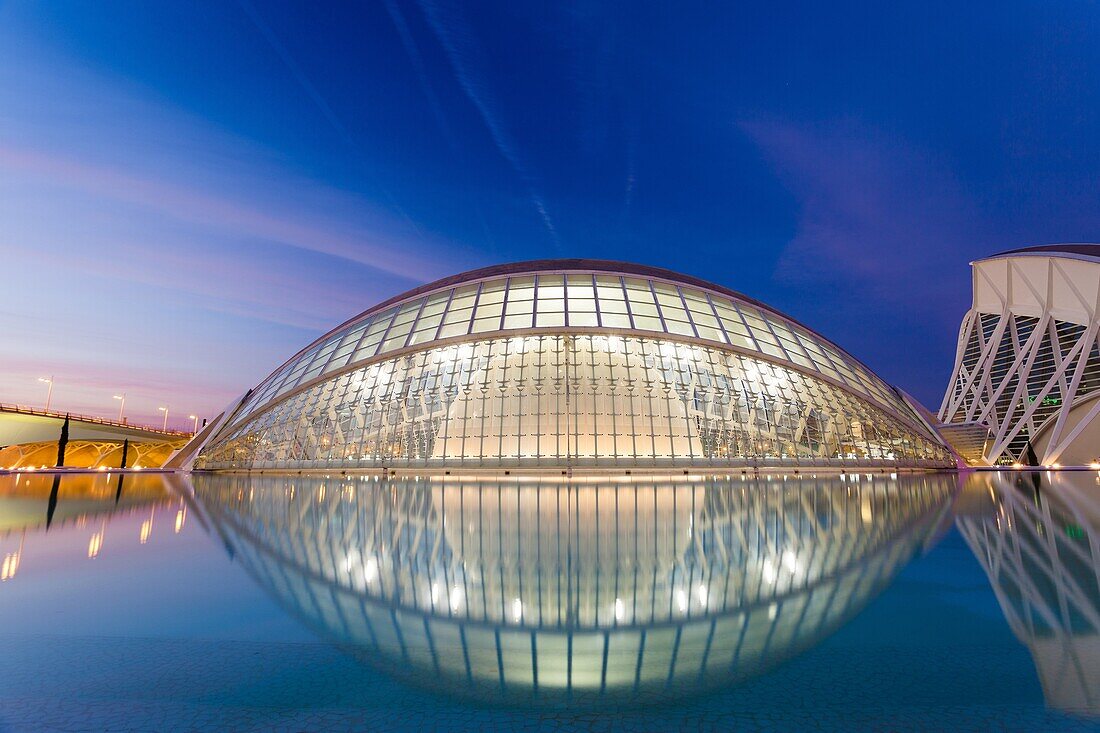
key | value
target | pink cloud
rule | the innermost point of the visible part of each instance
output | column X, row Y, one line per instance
column 381, row 252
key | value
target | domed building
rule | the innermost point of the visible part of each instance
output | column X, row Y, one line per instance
column 570, row 364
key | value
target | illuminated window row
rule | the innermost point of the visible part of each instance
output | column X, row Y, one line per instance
column 585, row 399
column 570, row 301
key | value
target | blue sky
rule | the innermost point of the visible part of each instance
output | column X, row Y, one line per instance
column 190, row 192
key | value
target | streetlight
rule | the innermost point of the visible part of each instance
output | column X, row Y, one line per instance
column 122, row 406
column 49, row 392
column 196, row 419
column 165, row 411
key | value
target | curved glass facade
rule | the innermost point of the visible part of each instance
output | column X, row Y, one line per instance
column 569, row 400
column 574, row 591
column 555, row 368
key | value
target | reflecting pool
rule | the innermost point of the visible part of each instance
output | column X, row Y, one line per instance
column 911, row 601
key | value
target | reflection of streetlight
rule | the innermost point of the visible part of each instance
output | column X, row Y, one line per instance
column 196, row 419
column 165, row 411
column 122, row 406
column 96, row 542
column 11, row 561
column 49, row 392
column 181, row 517
column 146, row 528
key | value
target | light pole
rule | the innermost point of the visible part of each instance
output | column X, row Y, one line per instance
column 49, row 391
column 122, row 406
column 165, row 411
column 196, row 419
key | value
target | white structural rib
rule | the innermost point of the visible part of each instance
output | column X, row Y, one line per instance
column 1028, row 358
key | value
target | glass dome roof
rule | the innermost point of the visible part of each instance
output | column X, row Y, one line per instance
column 575, row 294
column 532, row 330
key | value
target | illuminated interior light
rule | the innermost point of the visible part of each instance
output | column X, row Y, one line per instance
column 790, row 561
column 455, row 597
column 417, row 410
column 370, row 570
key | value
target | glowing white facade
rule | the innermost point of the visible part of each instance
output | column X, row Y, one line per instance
column 571, row 363
column 1028, row 359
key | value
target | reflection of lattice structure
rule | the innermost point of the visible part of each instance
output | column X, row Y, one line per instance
column 571, row 363
column 88, row 454
column 1028, row 360
column 574, row 589
column 1039, row 543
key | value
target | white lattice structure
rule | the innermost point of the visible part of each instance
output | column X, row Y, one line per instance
column 1028, row 359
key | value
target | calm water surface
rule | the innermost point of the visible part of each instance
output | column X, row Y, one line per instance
column 908, row 602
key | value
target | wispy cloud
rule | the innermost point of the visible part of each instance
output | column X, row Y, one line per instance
column 295, row 70
column 311, row 91
column 470, row 68
column 166, row 251
column 195, row 205
column 416, row 59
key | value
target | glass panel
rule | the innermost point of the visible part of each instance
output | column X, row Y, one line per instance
column 647, row 323
column 543, row 320
column 494, row 296
column 582, row 304
column 515, row 307
column 582, row 319
column 610, row 292
column 681, row 328
column 518, row 294
column 550, row 286
column 457, row 329
column 615, row 320
column 457, row 315
column 481, row 325
column 581, row 291
column 489, row 310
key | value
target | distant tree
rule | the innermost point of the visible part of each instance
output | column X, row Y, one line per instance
column 51, row 505
column 63, row 442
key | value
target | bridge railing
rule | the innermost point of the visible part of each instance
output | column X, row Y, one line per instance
column 26, row 410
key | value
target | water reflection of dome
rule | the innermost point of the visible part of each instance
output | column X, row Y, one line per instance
column 553, row 591
column 1037, row 537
